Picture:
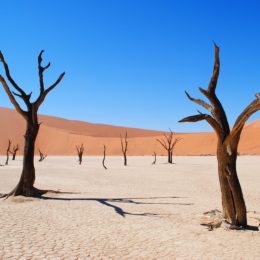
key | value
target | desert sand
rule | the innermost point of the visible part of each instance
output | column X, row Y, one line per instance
column 59, row 136
column 141, row 211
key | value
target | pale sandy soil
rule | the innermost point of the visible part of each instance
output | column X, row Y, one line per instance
column 142, row 211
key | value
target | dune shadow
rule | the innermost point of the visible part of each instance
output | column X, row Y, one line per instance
column 108, row 202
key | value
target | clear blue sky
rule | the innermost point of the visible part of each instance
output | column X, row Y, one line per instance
column 128, row 62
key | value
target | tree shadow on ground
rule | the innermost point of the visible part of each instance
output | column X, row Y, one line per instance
column 108, row 202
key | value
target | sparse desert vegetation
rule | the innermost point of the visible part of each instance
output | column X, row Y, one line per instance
column 84, row 176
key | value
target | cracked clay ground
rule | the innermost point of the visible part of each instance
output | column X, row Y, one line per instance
column 141, row 211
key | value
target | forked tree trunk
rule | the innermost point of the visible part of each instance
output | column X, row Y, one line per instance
column 234, row 208
column 25, row 185
column 168, row 143
column 42, row 156
column 80, row 151
column 14, row 152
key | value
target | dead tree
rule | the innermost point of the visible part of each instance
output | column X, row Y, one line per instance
column 124, row 147
column 234, row 208
column 104, row 158
column 25, row 185
column 14, row 151
column 80, row 150
column 154, row 161
column 8, row 152
column 42, row 156
column 168, row 144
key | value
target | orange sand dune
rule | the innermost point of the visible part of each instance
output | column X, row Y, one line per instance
column 58, row 136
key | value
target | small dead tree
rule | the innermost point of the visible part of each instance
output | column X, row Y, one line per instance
column 104, row 158
column 234, row 208
column 168, row 143
column 124, row 145
column 154, row 161
column 42, row 156
column 14, row 151
column 25, row 185
column 8, row 152
column 80, row 151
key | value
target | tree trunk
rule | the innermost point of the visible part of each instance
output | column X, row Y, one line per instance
column 169, row 156
column 234, row 208
column 7, row 152
column 26, row 182
column 125, row 160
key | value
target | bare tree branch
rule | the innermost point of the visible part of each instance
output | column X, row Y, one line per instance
column 243, row 117
column 41, row 70
column 175, row 142
column 15, row 149
column 215, row 74
column 234, row 208
column 162, row 142
column 80, row 150
column 168, row 144
column 214, row 124
column 12, row 99
column 199, row 102
column 25, row 185
column 42, row 156
column 8, row 75
column 216, row 109
column 43, row 94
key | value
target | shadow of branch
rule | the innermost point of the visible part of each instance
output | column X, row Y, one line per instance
column 108, row 202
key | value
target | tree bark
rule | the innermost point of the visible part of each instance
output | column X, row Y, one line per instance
column 124, row 147
column 154, row 161
column 125, row 160
column 80, row 151
column 168, row 143
column 15, row 149
column 169, row 157
column 7, row 152
column 104, row 158
column 234, row 208
column 25, row 185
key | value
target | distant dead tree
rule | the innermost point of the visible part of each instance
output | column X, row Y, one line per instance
column 80, row 151
column 124, row 145
column 42, row 156
column 104, row 158
column 168, row 144
column 14, row 151
column 25, row 185
column 154, row 161
column 8, row 152
column 234, row 208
